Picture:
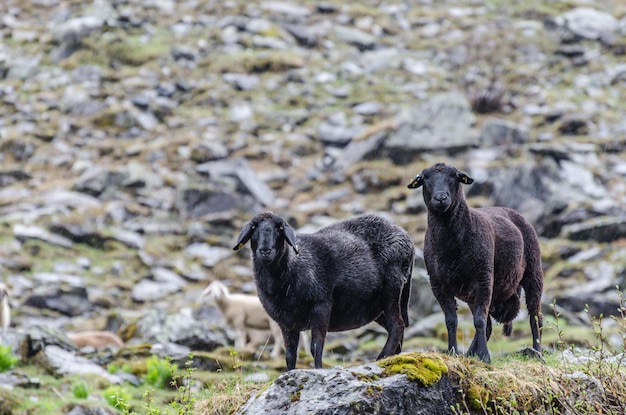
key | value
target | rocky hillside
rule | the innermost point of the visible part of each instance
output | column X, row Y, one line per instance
column 137, row 137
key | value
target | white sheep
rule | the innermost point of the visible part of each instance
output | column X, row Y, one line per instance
column 245, row 313
column 5, row 309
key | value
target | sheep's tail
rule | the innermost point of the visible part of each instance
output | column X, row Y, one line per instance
column 507, row 329
column 505, row 312
column 405, row 296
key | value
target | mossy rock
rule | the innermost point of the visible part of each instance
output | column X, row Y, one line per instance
column 425, row 368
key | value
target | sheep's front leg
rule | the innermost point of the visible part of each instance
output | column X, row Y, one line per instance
column 482, row 323
column 448, row 305
column 291, row 338
column 479, row 343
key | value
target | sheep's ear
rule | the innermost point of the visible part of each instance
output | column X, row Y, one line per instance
column 464, row 178
column 290, row 237
column 244, row 236
column 416, row 182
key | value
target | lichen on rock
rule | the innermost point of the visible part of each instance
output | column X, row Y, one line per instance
column 426, row 368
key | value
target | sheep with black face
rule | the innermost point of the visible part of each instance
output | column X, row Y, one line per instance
column 483, row 256
column 339, row 278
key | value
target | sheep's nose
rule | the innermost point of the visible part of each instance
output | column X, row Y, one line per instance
column 440, row 197
column 265, row 251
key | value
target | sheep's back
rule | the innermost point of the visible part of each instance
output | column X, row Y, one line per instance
column 341, row 257
column 389, row 243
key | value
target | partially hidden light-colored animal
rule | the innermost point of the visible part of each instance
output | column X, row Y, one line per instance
column 339, row 278
column 483, row 256
column 97, row 339
column 5, row 308
column 245, row 314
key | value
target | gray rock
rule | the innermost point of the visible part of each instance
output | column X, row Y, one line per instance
column 380, row 59
column 304, row 35
column 600, row 229
column 543, row 192
column 444, row 122
column 358, row 38
column 243, row 82
column 575, row 124
column 422, row 301
column 240, row 169
column 38, row 337
column 351, row 391
column 96, row 180
column 356, row 151
column 209, row 255
column 10, row 177
column 161, row 326
column 336, row 135
column 286, row 8
column 24, row 232
column 75, row 29
column 11, row 380
column 67, row 198
column 61, row 362
column 128, row 238
column 79, row 233
column 368, row 108
column 498, row 132
column 590, row 23
column 148, row 290
column 79, row 409
column 200, row 202
column 72, row 301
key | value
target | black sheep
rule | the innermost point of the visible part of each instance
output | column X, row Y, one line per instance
column 483, row 256
column 339, row 278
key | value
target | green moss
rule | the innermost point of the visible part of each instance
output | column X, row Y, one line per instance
column 426, row 368
column 365, row 378
column 477, row 396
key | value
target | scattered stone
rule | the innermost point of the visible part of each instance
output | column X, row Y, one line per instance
column 247, row 177
column 24, row 232
column 444, row 122
column 497, row 132
column 590, row 23
column 62, row 362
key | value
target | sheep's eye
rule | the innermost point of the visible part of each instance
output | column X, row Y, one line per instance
column 253, row 227
column 281, row 227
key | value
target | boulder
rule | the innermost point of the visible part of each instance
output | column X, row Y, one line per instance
column 410, row 383
column 444, row 122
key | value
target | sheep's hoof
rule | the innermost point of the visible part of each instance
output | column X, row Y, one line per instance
column 485, row 357
column 531, row 353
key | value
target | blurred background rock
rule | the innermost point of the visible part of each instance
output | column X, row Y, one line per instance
column 136, row 137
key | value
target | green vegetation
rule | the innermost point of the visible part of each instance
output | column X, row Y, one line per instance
column 7, row 359
column 159, row 372
column 80, row 390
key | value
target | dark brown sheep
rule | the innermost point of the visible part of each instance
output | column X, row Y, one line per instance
column 483, row 256
column 339, row 278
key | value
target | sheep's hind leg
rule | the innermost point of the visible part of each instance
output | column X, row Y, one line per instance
column 395, row 335
column 319, row 317
column 392, row 320
column 533, row 288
